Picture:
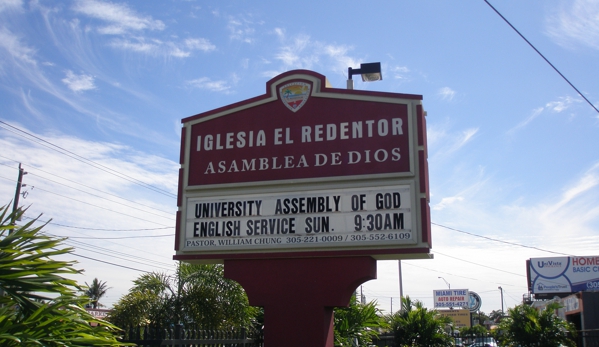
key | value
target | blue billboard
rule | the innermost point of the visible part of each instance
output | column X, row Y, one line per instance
column 563, row 274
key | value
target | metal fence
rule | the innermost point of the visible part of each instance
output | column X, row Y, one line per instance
column 384, row 340
column 151, row 336
column 587, row 338
column 177, row 336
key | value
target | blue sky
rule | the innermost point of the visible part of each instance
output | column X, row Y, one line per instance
column 513, row 149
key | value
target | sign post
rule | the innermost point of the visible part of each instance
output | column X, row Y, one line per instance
column 299, row 191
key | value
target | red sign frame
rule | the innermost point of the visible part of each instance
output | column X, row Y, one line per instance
column 301, row 134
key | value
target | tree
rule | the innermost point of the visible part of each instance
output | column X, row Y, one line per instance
column 40, row 307
column 496, row 315
column 481, row 317
column 415, row 325
column 525, row 326
column 358, row 322
column 477, row 330
column 95, row 292
column 195, row 295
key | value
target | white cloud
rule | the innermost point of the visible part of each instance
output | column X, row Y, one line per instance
column 130, row 26
column 445, row 202
column 399, row 72
column 157, row 47
column 301, row 52
column 280, row 32
column 340, row 55
column 447, row 93
column 28, row 103
column 557, row 106
column 442, row 144
column 10, row 4
column 565, row 220
column 583, row 185
column 462, row 139
column 290, row 54
column 120, row 17
column 534, row 114
column 140, row 46
column 78, row 83
column 245, row 63
column 241, row 29
column 208, row 84
column 575, row 23
column 199, row 44
column 73, row 193
column 562, row 104
column 12, row 44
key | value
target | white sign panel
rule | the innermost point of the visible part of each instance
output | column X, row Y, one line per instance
column 445, row 298
column 375, row 216
column 564, row 274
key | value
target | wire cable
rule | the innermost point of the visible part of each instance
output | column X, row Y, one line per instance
column 488, row 267
column 122, row 258
column 95, row 247
column 542, row 56
column 81, row 184
column 500, row 241
column 113, row 253
column 84, row 160
column 116, row 238
column 100, row 207
column 95, row 229
column 107, row 262
column 49, row 222
column 103, row 198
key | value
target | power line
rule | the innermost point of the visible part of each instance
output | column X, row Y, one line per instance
column 85, row 160
column 542, row 56
column 103, row 198
column 107, row 262
column 113, row 253
column 107, row 239
column 500, row 241
column 488, row 267
column 100, row 207
column 116, row 238
column 100, row 229
column 96, row 229
column 120, row 257
column 81, row 184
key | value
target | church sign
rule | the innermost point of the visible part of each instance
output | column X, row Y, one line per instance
column 305, row 169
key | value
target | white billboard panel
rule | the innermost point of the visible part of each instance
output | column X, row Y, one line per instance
column 315, row 219
column 447, row 298
column 564, row 274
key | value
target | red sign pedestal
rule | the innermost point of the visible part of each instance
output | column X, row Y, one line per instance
column 299, row 294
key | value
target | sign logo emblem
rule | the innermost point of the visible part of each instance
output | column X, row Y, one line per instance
column 294, row 95
column 474, row 302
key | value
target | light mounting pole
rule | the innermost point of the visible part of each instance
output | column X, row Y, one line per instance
column 448, row 286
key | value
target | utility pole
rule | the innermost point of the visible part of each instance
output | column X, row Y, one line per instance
column 501, row 290
column 15, row 204
column 400, row 281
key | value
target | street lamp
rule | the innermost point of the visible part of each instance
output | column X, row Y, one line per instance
column 501, row 290
column 448, row 286
column 370, row 72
